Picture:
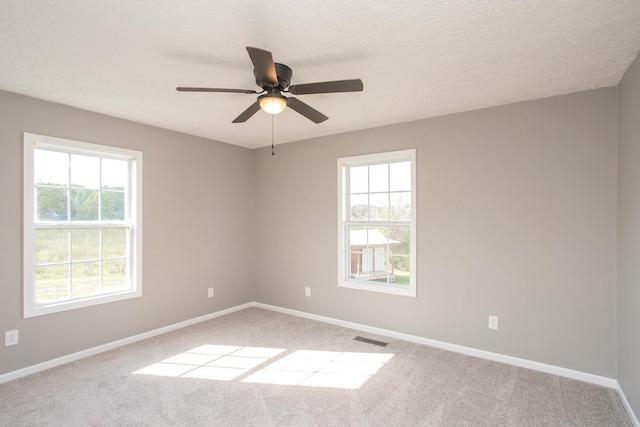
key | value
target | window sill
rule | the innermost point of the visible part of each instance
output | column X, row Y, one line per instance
column 56, row 307
column 381, row 288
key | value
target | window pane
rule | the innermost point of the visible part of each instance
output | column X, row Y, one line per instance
column 114, row 174
column 399, row 240
column 379, row 207
column 51, row 204
column 401, row 206
column 52, row 283
column 357, row 237
column 112, row 206
column 361, row 236
column 114, row 242
column 50, row 167
column 355, row 263
column 377, row 236
column 85, row 171
column 368, row 248
column 358, row 179
column 84, row 205
column 366, row 266
column 400, row 269
column 359, row 207
column 85, row 244
column 85, row 278
column 376, row 267
column 357, row 242
column 400, row 176
column 114, row 275
column 378, row 178
column 52, row 246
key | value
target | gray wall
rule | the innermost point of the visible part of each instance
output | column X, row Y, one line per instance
column 517, row 218
column 629, row 235
column 197, row 231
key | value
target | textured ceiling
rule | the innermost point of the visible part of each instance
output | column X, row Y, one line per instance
column 417, row 58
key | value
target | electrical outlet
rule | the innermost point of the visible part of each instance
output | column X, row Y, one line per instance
column 307, row 292
column 493, row 322
column 11, row 338
column 210, row 292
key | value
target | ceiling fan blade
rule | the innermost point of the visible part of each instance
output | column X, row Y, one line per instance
column 307, row 111
column 263, row 63
column 214, row 89
column 327, row 87
column 246, row 114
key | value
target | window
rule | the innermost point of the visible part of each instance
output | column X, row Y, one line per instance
column 376, row 222
column 82, row 224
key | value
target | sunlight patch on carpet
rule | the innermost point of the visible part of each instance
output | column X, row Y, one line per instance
column 310, row 368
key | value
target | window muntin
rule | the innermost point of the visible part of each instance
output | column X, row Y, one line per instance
column 377, row 222
column 83, row 224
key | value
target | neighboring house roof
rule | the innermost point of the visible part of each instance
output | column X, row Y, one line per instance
column 371, row 236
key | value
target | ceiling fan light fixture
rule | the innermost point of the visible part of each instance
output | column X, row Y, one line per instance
column 273, row 104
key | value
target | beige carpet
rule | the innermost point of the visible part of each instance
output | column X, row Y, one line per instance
column 261, row 368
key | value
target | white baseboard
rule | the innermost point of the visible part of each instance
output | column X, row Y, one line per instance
column 627, row 406
column 497, row 357
column 114, row 344
column 515, row 361
column 523, row 363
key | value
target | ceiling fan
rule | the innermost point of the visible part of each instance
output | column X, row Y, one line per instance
column 275, row 79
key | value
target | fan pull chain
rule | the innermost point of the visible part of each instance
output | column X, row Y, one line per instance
column 273, row 151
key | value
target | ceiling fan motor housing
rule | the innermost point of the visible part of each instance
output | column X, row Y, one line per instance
column 284, row 74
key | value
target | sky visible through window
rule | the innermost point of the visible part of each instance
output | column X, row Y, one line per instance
column 52, row 167
column 380, row 178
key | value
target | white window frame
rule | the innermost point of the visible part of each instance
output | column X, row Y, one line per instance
column 344, row 276
column 133, row 218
